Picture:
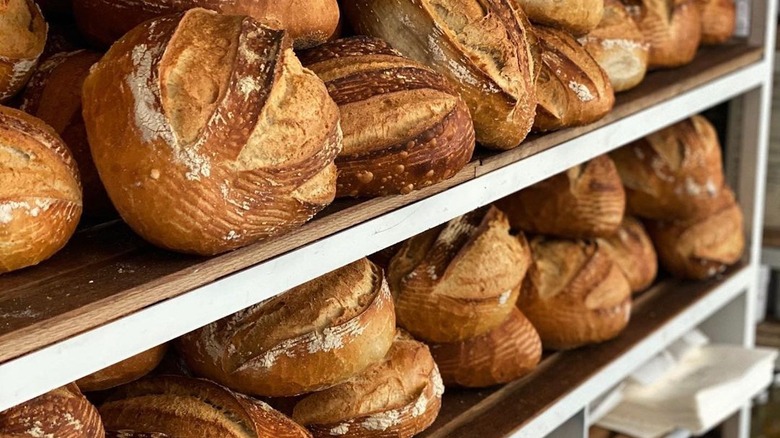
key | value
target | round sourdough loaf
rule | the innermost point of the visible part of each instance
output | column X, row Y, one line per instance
column 182, row 407
column 458, row 280
column 22, row 38
column 574, row 294
column 506, row 353
column 309, row 22
column 399, row 396
column 633, row 252
column 40, row 193
column 718, row 20
column 575, row 16
column 702, row 247
column 125, row 371
column 54, row 95
column 586, row 201
column 572, row 88
column 216, row 138
column 674, row 173
column 405, row 127
column 672, row 29
column 487, row 49
column 619, row 47
column 61, row 413
column 310, row 338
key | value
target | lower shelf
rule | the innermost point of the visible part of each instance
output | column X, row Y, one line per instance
column 566, row 382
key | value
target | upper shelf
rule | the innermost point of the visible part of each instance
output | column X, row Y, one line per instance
column 110, row 295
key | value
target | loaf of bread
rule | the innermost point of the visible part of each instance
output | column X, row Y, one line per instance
column 702, row 247
column 405, row 127
column 586, row 201
column 54, row 95
column 572, row 88
column 458, row 280
column 633, row 252
column 718, row 20
column 40, row 193
column 674, row 173
column 61, row 413
column 575, row 16
column 619, row 47
column 487, row 50
column 506, row 353
column 310, row 338
column 574, row 294
column 126, row 433
column 217, row 137
column 309, row 22
column 22, row 38
column 672, row 29
column 123, row 372
column 192, row 408
column 399, row 396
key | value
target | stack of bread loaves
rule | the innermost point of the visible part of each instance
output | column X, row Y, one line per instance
column 333, row 341
column 455, row 287
column 674, row 180
column 586, row 258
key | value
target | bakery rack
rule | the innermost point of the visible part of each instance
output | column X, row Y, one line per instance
column 109, row 295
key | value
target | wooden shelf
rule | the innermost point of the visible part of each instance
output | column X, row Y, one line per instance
column 523, row 408
column 110, row 295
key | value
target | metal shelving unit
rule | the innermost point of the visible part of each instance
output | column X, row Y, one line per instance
column 109, row 295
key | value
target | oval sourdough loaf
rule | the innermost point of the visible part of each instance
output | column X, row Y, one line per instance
column 182, row 407
column 508, row 352
column 718, row 20
column 399, row 396
column 633, row 252
column 572, row 88
column 586, row 201
column 672, row 29
column 309, row 22
column 405, row 127
column 216, row 138
column 458, row 280
column 22, row 38
column 125, row 371
column 574, row 294
column 310, row 338
column 619, row 47
column 40, row 193
column 61, row 413
column 487, row 49
column 54, row 95
column 575, row 16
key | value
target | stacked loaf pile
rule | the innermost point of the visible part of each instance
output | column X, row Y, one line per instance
column 674, row 181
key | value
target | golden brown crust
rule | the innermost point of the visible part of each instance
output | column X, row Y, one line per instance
column 458, row 280
column 701, row 248
column 674, row 173
column 218, row 153
column 632, row 250
column 61, row 413
column 312, row 337
column 22, row 39
column 309, row 22
column 586, row 201
column 619, row 47
column 574, row 294
column 404, row 126
column 399, row 396
column 123, row 372
column 672, row 29
column 193, row 408
column 718, row 20
column 508, row 352
column 572, row 88
column 40, row 193
column 485, row 48
column 54, row 95
column 575, row 16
